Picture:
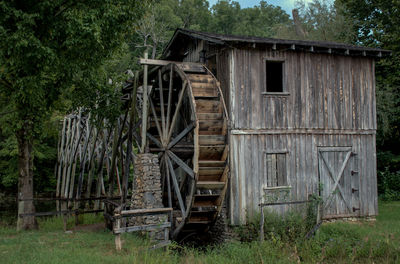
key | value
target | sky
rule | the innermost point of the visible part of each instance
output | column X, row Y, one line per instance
column 286, row 5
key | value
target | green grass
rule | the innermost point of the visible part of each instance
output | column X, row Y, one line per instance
column 340, row 242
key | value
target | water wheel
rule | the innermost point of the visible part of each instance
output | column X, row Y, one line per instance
column 187, row 127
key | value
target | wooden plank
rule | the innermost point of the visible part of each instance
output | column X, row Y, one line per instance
column 200, row 78
column 210, row 116
column 274, row 173
column 211, row 152
column 182, row 134
column 176, row 187
column 161, row 93
column 212, row 139
column 154, row 62
column 208, row 106
column 177, row 109
column 225, row 153
column 191, row 67
column 210, row 184
column 200, row 92
column 210, row 126
column 144, row 107
column 139, row 212
column 181, row 163
column 205, row 200
column 169, row 104
column 211, row 163
column 141, row 228
column 206, row 177
column 210, row 170
column 204, row 86
column 281, row 170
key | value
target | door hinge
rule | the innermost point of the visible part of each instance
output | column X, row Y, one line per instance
column 355, row 209
column 353, row 172
column 354, row 190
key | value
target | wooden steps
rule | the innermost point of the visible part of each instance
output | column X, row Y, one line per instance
column 212, row 146
column 210, row 184
column 211, row 152
column 212, row 139
column 208, row 106
column 210, row 116
column 212, row 163
column 205, row 200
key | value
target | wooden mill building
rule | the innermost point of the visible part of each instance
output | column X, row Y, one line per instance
column 302, row 118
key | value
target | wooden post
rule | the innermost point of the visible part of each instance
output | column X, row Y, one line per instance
column 61, row 153
column 118, row 241
column 65, row 219
column 144, row 107
column 262, row 224
column 76, row 216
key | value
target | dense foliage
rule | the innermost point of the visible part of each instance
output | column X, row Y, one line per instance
column 55, row 55
column 50, row 49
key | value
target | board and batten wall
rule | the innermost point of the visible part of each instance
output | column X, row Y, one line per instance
column 330, row 102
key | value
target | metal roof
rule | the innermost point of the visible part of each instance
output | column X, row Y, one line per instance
column 304, row 45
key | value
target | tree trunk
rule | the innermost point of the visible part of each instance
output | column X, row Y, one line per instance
column 25, row 181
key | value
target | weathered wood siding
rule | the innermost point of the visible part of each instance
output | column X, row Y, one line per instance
column 330, row 101
column 193, row 50
column 248, row 168
column 325, row 91
column 223, row 72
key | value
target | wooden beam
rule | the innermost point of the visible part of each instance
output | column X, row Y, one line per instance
column 176, row 188
column 181, row 135
column 181, row 164
column 144, row 107
column 141, row 228
column 178, row 107
column 139, row 212
column 152, row 62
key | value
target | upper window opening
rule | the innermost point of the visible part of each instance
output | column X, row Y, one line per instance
column 274, row 72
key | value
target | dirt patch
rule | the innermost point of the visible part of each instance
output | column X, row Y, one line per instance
column 90, row 227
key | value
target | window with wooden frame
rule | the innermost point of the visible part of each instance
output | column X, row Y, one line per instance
column 276, row 169
column 274, row 77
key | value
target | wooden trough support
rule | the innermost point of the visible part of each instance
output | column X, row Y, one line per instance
column 119, row 226
column 66, row 213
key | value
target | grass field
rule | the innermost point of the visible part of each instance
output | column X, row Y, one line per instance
column 360, row 242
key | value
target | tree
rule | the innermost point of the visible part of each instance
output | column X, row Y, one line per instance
column 377, row 23
column 319, row 20
column 49, row 47
column 261, row 20
column 225, row 16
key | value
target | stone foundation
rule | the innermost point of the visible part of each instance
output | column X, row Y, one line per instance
column 147, row 192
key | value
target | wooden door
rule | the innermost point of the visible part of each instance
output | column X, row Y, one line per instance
column 339, row 182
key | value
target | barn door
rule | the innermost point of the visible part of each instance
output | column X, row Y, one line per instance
column 339, row 180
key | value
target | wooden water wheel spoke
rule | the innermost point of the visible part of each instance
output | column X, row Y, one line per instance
column 171, row 82
column 181, row 135
column 158, row 143
column 180, row 163
column 168, row 181
column 155, row 118
column 176, row 187
column 178, row 107
column 161, row 104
